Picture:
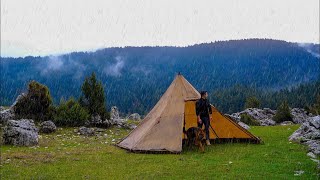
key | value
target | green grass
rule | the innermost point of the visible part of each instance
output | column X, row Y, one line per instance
column 67, row 155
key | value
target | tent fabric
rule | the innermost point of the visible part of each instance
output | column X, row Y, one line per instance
column 161, row 129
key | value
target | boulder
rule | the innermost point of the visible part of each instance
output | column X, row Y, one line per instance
column 5, row 115
column 96, row 119
column 86, row 131
column 284, row 123
column 20, row 133
column 244, row 125
column 135, row 117
column 299, row 115
column 18, row 99
column 263, row 116
column 47, row 127
column 309, row 134
column 114, row 113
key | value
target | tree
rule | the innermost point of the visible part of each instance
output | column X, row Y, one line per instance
column 283, row 113
column 252, row 102
column 315, row 108
column 70, row 113
column 36, row 104
column 245, row 118
column 93, row 98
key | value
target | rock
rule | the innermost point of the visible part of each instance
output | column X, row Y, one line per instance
column 309, row 134
column 128, row 126
column 298, row 173
column 6, row 115
column 314, row 146
column 2, row 108
column 243, row 125
column 96, row 120
column 284, row 123
column 315, row 121
column 18, row 99
column 114, row 113
column 267, row 122
column 299, row 115
column 263, row 116
column 135, row 117
column 86, row 131
column 100, row 130
column 310, row 154
column 47, row 127
column 20, row 133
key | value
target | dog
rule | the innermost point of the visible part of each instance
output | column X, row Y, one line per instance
column 195, row 136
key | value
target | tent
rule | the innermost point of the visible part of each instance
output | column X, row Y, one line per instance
column 162, row 129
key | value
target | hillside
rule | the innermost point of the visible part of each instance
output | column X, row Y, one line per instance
column 136, row 77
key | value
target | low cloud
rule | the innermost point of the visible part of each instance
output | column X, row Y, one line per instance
column 115, row 69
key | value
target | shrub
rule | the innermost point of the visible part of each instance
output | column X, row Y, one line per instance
column 283, row 113
column 93, row 97
column 70, row 113
column 248, row 120
column 252, row 102
column 36, row 104
column 315, row 108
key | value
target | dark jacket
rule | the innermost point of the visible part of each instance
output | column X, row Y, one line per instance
column 203, row 108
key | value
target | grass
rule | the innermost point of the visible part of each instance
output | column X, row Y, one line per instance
column 67, row 155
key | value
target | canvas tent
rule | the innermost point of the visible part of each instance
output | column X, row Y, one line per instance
column 162, row 128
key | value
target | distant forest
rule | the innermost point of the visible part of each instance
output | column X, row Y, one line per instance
column 134, row 78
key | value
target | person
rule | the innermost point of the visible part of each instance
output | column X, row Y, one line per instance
column 204, row 113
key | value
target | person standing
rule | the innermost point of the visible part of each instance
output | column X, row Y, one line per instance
column 204, row 114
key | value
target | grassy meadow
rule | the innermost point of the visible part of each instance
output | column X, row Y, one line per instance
column 67, row 155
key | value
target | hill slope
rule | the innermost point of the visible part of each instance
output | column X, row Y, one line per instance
column 136, row 77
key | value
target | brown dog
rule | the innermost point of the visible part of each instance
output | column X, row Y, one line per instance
column 195, row 136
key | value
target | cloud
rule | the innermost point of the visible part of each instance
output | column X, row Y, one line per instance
column 53, row 63
column 115, row 69
column 308, row 47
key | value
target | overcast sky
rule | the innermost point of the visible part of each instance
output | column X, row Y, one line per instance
column 44, row 27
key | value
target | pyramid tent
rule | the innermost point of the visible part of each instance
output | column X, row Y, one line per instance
column 162, row 128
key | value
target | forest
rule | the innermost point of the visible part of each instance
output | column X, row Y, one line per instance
column 134, row 78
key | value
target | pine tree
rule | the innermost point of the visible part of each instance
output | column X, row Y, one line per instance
column 93, row 97
column 283, row 113
column 252, row 102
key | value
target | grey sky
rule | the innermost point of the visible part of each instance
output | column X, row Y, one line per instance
column 43, row 27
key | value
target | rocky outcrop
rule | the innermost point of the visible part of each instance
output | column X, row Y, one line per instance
column 114, row 114
column 242, row 124
column 299, row 115
column 135, row 117
column 309, row 134
column 20, row 133
column 47, row 127
column 263, row 116
column 96, row 120
column 86, row 131
column 116, row 120
column 6, row 114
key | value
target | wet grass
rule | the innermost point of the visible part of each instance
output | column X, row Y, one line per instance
column 67, row 155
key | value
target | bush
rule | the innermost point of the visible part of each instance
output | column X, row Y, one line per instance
column 252, row 102
column 70, row 113
column 93, row 97
column 283, row 113
column 315, row 108
column 245, row 118
column 36, row 104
